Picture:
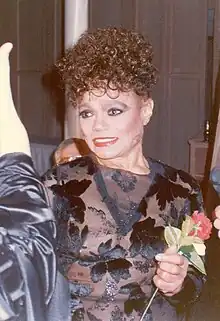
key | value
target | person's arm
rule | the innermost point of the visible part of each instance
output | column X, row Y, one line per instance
column 27, row 239
column 30, row 287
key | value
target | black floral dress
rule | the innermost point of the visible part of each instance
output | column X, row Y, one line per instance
column 111, row 225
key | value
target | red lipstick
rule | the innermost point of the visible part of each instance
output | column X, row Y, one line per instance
column 104, row 141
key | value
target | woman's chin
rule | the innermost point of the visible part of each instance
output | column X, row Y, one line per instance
column 106, row 155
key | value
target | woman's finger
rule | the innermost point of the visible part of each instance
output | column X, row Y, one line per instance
column 170, row 268
column 166, row 287
column 170, row 258
column 217, row 223
column 167, row 277
column 216, row 212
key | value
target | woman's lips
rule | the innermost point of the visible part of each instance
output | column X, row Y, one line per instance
column 104, row 141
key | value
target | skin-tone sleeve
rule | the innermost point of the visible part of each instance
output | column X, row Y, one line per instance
column 13, row 135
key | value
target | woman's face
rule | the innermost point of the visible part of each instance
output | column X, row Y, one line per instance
column 112, row 127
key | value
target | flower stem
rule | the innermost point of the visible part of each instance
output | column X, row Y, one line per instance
column 149, row 304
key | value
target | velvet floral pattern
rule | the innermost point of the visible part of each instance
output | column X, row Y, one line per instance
column 110, row 225
column 108, row 260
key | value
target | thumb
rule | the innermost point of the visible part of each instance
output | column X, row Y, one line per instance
column 171, row 250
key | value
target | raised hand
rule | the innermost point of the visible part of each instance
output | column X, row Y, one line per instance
column 13, row 135
column 171, row 271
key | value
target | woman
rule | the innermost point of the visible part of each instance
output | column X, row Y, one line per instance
column 29, row 284
column 112, row 207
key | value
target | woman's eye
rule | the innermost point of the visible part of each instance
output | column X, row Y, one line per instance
column 114, row 112
column 85, row 114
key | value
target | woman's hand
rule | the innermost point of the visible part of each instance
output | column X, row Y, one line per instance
column 171, row 271
column 217, row 219
column 13, row 135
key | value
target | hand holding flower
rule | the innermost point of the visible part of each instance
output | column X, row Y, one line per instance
column 171, row 271
column 185, row 247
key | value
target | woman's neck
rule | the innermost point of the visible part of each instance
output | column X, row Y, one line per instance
column 135, row 162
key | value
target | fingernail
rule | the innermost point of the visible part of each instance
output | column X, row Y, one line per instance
column 159, row 257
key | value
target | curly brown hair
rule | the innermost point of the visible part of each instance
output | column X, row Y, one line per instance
column 109, row 58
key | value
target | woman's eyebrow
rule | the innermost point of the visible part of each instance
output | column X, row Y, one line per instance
column 105, row 104
column 115, row 103
column 84, row 106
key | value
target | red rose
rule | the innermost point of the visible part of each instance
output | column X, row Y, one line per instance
column 202, row 226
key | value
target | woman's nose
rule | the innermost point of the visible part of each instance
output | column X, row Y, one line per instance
column 99, row 123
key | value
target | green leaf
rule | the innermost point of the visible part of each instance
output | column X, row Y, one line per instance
column 172, row 235
column 190, row 253
column 187, row 226
column 186, row 250
column 200, row 248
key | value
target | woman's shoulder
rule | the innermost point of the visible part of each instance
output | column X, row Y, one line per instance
column 177, row 176
column 78, row 169
column 174, row 185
